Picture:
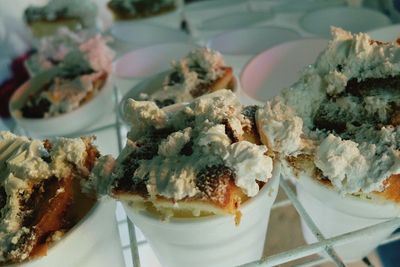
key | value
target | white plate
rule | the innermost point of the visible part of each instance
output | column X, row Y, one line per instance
column 203, row 10
column 147, row 61
column 235, row 20
column 349, row 18
column 142, row 34
column 386, row 34
column 211, row 4
column 251, row 41
column 306, row 5
column 279, row 67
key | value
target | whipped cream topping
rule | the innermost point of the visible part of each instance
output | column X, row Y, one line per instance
column 280, row 127
column 98, row 53
column 349, row 105
column 142, row 114
column 99, row 180
column 86, row 64
column 251, row 165
column 85, row 11
column 22, row 165
column 52, row 50
column 201, row 67
column 195, row 139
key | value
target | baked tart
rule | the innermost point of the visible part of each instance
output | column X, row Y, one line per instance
column 74, row 15
column 339, row 124
column 198, row 159
column 139, row 9
column 69, row 84
column 201, row 72
column 45, row 190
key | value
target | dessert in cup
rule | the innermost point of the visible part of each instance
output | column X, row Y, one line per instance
column 48, row 194
column 338, row 131
column 73, row 14
column 51, row 50
column 139, row 9
column 196, row 180
column 58, row 95
column 201, row 72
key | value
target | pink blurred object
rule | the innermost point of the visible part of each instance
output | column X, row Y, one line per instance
column 19, row 75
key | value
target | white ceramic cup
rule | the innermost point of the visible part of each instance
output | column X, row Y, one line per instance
column 231, row 21
column 352, row 19
column 335, row 214
column 214, row 240
column 278, row 67
column 147, row 61
column 92, row 242
column 200, row 11
column 238, row 46
column 131, row 34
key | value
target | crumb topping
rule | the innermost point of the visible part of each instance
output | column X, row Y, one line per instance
column 84, row 11
column 194, row 141
column 190, row 77
column 29, row 171
column 348, row 101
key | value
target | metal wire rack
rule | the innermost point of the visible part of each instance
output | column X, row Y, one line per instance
column 323, row 244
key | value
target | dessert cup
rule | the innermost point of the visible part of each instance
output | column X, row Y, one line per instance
column 169, row 18
column 335, row 214
column 150, row 86
column 211, row 240
column 198, row 12
column 87, row 243
column 66, row 123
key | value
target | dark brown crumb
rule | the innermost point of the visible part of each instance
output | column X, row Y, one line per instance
column 36, row 204
column 372, row 86
column 147, row 148
column 3, row 197
column 229, row 131
column 164, row 103
column 212, row 182
column 200, row 90
column 322, row 121
column 35, row 110
column 187, row 149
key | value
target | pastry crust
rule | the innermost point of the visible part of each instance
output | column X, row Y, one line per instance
column 38, row 109
column 303, row 165
column 41, row 28
column 120, row 14
column 226, row 81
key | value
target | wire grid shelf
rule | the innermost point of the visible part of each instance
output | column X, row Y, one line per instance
column 322, row 245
